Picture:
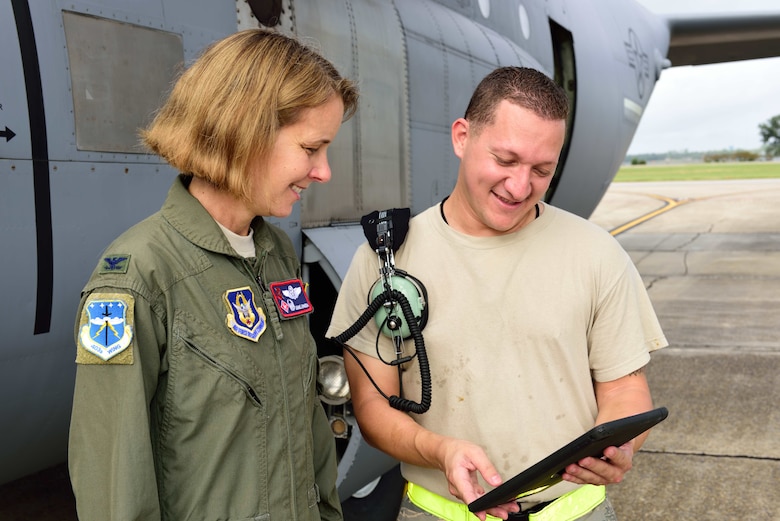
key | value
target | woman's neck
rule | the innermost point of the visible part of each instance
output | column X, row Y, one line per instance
column 224, row 207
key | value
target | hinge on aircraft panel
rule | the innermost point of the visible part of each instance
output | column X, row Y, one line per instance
column 273, row 14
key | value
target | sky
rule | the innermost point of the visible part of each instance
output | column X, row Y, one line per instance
column 709, row 107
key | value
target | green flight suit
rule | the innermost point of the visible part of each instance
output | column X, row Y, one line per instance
column 191, row 421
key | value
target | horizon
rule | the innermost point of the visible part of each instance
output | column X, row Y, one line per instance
column 715, row 106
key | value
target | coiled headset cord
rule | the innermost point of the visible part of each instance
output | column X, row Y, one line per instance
column 396, row 402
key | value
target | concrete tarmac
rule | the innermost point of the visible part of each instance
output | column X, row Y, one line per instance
column 712, row 269
column 711, row 263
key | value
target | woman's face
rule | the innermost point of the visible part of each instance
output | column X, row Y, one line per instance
column 297, row 159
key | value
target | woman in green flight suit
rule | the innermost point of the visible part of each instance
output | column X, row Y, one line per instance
column 195, row 392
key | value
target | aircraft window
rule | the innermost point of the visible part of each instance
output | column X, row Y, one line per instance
column 484, row 8
column 525, row 23
column 119, row 75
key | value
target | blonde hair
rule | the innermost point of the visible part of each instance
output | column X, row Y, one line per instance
column 226, row 109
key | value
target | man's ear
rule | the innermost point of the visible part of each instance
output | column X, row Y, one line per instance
column 460, row 135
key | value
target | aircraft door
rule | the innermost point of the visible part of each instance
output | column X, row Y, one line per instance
column 616, row 67
column 17, row 195
column 25, row 229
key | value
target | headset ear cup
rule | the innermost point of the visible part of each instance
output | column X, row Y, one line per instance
column 423, row 296
column 414, row 292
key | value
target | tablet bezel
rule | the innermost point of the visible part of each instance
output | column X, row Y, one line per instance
column 548, row 471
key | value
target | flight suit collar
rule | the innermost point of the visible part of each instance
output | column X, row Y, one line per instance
column 185, row 213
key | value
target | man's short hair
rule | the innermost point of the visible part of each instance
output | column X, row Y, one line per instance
column 523, row 86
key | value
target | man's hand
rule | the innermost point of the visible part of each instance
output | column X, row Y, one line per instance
column 602, row 471
column 461, row 462
column 615, row 399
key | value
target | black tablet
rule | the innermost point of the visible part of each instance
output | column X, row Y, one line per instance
column 549, row 470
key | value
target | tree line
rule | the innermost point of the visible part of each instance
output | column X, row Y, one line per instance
column 770, row 137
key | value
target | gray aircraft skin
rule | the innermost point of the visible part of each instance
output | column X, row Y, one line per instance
column 80, row 77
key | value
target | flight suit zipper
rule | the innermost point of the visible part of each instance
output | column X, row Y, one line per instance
column 257, row 270
column 250, row 392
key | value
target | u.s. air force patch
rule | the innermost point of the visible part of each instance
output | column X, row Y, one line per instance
column 243, row 318
column 106, row 329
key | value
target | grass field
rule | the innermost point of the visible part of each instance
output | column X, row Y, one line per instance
column 698, row 171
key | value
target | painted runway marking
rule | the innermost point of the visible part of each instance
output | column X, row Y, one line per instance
column 670, row 205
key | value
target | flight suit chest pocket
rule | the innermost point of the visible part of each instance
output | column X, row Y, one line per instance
column 207, row 367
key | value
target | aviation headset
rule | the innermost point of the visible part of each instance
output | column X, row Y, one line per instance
column 394, row 291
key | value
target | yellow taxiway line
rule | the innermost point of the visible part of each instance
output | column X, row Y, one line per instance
column 670, row 204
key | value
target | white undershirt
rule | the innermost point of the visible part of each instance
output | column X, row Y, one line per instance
column 243, row 244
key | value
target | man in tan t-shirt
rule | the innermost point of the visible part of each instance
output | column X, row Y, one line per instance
column 539, row 326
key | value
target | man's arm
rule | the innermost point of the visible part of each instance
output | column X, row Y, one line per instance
column 616, row 399
column 397, row 434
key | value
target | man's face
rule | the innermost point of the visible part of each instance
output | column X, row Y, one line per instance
column 506, row 167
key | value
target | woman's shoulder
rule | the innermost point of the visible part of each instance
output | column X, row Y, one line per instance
column 149, row 254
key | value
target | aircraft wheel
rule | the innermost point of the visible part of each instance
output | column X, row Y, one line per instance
column 382, row 504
